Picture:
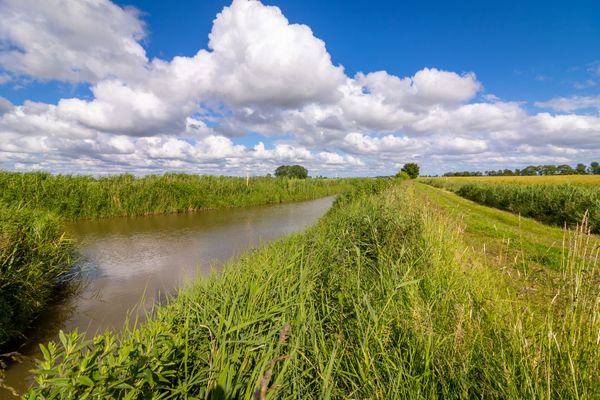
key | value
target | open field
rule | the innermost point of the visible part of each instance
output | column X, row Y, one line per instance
column 547, row 199
column 398, row 292
column 74, row 197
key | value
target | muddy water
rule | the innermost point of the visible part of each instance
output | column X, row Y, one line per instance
column 131, row 263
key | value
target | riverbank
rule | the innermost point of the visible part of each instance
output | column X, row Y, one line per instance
column 383, row 298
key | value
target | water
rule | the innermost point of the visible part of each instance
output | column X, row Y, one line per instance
column 131, row 263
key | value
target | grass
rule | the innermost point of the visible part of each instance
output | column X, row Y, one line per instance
column 383, row 298
column 76, row 197
column 547, row 200
column 34, row 255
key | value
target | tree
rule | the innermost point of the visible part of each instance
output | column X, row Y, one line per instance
column 581, row 169
column 565, row 169
column 595, row 168
column 530, row 171
column 292, row 171
column 412, row 169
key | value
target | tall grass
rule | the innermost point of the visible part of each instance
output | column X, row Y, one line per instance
column 557, row 204
column 378, row 300
column 34, row 255
column 76, row 197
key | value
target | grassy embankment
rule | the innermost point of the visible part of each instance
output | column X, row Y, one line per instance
column 34, row 256
column 556, row 200
column 390, row 295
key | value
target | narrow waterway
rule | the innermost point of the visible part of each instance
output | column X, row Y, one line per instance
column 129, row 264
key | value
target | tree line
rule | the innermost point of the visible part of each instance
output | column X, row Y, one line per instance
column 532, row 170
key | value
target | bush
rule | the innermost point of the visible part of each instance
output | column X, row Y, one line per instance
column 402, row 175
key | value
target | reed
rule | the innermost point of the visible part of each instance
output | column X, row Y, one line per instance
column 75, row 197
column 34, row 257
column 381, row 299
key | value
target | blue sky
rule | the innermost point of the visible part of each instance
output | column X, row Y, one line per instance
column 497, row 85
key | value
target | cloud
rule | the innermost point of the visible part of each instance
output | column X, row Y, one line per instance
column 570, row 104
column 589, row 83
column 263, row 59
column 76, row 41
column 5, row 105
column 259, row 74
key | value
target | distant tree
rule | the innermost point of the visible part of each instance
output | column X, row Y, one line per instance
column 292, row 171
column 595, row 168
column 530, row 170
column 412, row 169
column 565, row 169
column 581, row 169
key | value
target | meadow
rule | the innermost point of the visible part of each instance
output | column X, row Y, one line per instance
column 557, row 200
column 400, row 291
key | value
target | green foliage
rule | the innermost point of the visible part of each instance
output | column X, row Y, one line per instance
column 595, row 168
column 74, row 197
column 291, row 171
column 372, row 302
column 402, row 175
column 557, row 204
column 411, row 169
column 33, row 257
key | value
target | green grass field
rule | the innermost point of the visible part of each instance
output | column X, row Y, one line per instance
column 399, row 292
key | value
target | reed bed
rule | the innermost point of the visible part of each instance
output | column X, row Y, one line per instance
column 379, row 300
column 553, row 203
column 75, row 197
column 34, row 257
